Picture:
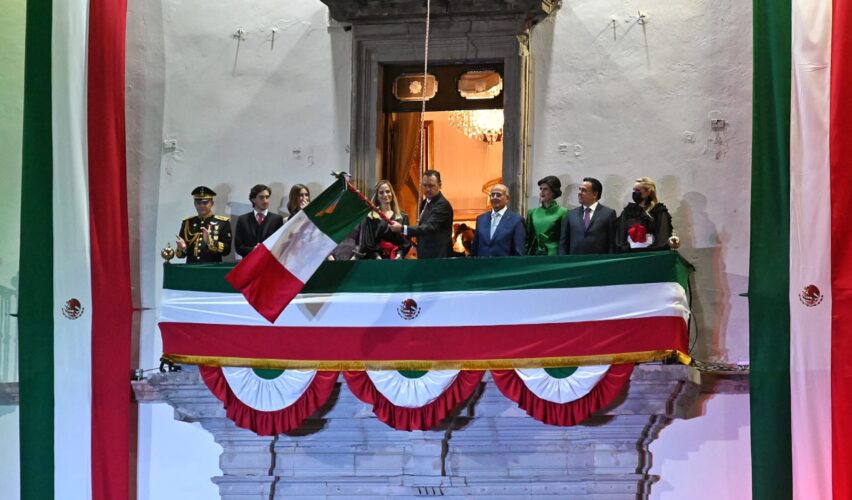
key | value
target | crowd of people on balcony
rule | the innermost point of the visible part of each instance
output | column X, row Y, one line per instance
column 549, row 229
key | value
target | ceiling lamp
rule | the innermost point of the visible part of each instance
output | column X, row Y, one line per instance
column 485, row 125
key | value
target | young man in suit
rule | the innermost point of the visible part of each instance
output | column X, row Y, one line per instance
column 434, row 229
column 257, row 225
column 589, row 228
column 499, row 232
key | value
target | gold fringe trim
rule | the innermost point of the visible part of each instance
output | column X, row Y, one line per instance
column 490, row 364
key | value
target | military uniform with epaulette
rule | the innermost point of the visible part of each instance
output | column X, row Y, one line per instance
column 220, row 239
column 218, row 226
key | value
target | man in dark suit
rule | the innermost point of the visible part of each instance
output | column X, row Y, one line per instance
column 257, row 225
column 499, row 232
column 589, row 228
column 434, row 229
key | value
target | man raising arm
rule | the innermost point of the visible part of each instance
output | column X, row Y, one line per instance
column 434, row 229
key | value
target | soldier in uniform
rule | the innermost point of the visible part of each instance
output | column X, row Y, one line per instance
column 205, row 237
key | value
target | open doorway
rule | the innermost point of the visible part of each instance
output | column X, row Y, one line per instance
column 463, row 132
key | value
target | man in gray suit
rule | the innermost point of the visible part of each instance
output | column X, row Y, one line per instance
column 589, row 228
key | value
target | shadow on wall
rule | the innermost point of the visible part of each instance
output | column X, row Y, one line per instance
column 702, row 245
column 278, row 198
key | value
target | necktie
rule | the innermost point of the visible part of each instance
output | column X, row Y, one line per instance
column 259, row 218
column 495, row 219
column 587, row 217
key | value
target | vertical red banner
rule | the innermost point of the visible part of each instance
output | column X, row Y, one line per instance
column 111, row 293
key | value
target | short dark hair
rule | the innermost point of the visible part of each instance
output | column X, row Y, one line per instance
column 597, row 187
column 554, row 184
column 256, row 190
column 433, row 173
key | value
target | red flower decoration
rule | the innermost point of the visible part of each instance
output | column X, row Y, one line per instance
column 638, row 233
column 388, row 249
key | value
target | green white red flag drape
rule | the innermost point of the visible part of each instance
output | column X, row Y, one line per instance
column 469, row 314
column 442, row 323
column 800, row 285
column 74, row 311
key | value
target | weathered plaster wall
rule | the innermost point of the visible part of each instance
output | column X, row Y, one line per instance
column 11, row 124
column 614, row 101
column 11, row 130
column 619, row 100
column 240, row 113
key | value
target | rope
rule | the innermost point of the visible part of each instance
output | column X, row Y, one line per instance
column 423, row 100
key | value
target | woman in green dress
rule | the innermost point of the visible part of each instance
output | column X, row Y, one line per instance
column 544, row 224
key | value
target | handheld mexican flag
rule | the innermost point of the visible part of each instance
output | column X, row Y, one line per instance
column 275, row 272
column 800, row 280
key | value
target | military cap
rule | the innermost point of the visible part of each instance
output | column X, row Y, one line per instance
column 203, row 193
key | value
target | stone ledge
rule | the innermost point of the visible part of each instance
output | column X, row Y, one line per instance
column 487, row 447
column 725, row 382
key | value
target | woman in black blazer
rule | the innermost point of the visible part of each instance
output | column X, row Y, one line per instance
column 644, row 224
column 374, row 240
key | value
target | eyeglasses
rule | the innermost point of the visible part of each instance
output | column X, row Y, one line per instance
column 497, row 194
column 202, row 202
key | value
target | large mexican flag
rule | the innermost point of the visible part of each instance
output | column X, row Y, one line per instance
column 800, row 284
column 74, row 298
column 469, row 314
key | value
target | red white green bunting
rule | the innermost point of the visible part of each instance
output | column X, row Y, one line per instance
column 413, row 403
column 270, row 404
column 378, row 317
column 549, row 385
column 412, row 391
column 568, row 401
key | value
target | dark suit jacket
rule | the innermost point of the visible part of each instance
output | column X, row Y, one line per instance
column 598, row 238
column 248, row 233
column 434, row 229
column 508, row 236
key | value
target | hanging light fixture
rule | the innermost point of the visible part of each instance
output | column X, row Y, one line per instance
column 485, row 125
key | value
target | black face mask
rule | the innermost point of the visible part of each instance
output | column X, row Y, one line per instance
column 637, row 197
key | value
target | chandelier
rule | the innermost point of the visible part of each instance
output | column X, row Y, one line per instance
column 485, row 125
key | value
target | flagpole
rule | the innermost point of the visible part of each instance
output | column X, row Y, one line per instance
column 351, row 187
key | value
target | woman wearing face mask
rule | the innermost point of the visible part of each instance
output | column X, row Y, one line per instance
column 644, row 224
column 374, row 240
column 544, row 223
